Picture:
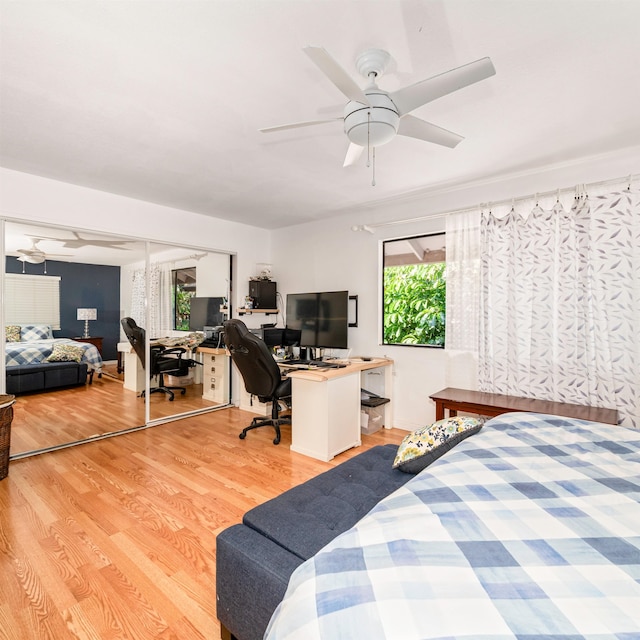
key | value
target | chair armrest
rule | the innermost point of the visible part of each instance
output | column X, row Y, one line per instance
column 172, row 350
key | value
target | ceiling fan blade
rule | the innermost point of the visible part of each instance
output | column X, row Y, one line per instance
column 336, row 74
column 296, row 125
column 413, row 127
column 32, row 259
column 415, row 95
column 353, row 154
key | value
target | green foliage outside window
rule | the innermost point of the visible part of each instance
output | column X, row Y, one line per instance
column 183, row 308
column 414, row 304
column 183, row 289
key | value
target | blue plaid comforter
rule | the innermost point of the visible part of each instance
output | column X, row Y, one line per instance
column 529, row 529
column 35, row 351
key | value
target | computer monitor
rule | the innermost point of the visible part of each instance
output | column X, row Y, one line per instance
column 275, row 337
column 291, row 337
column 272, row 337
column 205, row 312
column 321, row 318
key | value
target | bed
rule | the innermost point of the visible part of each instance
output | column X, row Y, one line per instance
column 36, row 345
column 529, row 529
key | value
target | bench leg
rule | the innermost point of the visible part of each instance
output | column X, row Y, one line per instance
column 225, row 634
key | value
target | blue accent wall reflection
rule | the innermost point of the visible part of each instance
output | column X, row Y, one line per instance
column 83, row 285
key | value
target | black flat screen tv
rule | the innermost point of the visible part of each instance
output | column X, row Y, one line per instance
column 205, row 312
column 321, row 318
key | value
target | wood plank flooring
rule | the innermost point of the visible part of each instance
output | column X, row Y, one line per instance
column 116, row 538
column 56, row 417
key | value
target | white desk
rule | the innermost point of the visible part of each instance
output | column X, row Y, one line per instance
column 134, row 376
column 326, row 407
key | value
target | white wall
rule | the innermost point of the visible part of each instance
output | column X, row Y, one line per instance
column 212, row 276
column 326, row 255
column 319, row 256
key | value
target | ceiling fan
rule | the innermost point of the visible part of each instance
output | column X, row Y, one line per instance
column 79, row 243
column 373, row 117
column 35, row 255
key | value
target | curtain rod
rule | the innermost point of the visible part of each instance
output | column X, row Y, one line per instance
column 578, row 189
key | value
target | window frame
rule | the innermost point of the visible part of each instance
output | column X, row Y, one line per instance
column 384, row 264
column 174, row 294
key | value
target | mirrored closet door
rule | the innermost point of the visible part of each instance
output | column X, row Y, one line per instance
column 67, row 358
column 196, row 376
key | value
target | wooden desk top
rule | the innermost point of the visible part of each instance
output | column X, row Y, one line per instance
column 355, row 365
column 212, row 350
column 496, row 403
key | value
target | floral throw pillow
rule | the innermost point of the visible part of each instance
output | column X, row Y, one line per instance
column 12, row 333
column 66, row 353
column 420, row 448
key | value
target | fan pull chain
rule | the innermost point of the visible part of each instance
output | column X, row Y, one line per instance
column 373, row 170
column 368, row 137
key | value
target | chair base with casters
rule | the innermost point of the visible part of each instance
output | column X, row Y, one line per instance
column 163, row 388
column 274, row 421
column 169, row 362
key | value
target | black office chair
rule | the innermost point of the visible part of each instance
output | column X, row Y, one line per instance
column 164, row 360
column 261, row 375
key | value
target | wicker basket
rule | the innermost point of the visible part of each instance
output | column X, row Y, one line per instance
column 6, row 415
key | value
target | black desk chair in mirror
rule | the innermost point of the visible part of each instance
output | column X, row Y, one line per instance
column 164, row 360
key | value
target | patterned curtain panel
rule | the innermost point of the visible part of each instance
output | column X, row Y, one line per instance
column 138, row 289
column 463, row 281
column 560, row 303
column 159, row 297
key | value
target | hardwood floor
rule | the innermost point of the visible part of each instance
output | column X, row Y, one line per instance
column 116, row 538
column 51, row 418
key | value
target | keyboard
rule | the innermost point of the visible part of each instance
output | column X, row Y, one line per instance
column 313, row 363
column 327, row 365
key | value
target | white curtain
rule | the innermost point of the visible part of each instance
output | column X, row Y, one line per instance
column 463, row 281
column 159, row 297
column 560, row 303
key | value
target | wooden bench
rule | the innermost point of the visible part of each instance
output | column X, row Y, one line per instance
column 494, row 404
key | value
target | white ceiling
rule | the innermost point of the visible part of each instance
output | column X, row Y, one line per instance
column 162, row 100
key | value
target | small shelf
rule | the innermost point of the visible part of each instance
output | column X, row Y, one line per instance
column 243, row 311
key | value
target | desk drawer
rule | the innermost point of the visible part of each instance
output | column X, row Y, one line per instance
column 215, row 374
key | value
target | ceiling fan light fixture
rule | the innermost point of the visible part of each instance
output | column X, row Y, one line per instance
column 372, row 125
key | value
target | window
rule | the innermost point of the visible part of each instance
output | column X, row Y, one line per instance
column 183, row 289
column 414, row 291
column 32, row 299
